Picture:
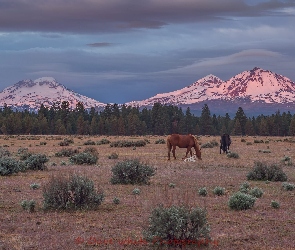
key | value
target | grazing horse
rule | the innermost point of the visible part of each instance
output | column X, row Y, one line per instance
column 225, row 142
column 183, row 141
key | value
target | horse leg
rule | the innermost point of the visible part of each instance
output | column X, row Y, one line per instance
column 173, row 151
column 169, row 149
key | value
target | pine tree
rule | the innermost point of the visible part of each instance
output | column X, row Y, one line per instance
column 292, row 126
column 206, row 121
column 240, row 115
column 237, row 130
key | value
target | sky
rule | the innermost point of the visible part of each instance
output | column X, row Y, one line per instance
column 117, row 51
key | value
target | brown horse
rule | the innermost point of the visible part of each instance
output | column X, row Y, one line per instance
column 183, row 141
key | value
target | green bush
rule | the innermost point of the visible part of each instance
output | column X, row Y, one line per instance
column 9, row 166
column 219, row 191
column 232, row 155
column 160, row 141
column 23, row 153
column 83, row 158
column 203, row 191
column 123, row 143
column 210, row 144
column 36, row 162
column 171, row 185
column 131, row 172
column 103, row 141
column 258, row 141
column 263, row 172
column 35, row 186
column 136, row 191
column 89, row 142
column 67, row 152
column 241, row 201
column 4, row 152
column 287, row 160
column 29, row 205
column 256, row 192
column 244, row 188
column 177, row 225
column 275, row 204
column 113, row 156
column 74, row 192
column 116, row 201
column 288, row 186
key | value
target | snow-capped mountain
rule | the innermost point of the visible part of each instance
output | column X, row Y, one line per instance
column 28, row 94
column 259, row 89
column 255, row 85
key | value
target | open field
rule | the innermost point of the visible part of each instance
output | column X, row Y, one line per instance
column 261, row 227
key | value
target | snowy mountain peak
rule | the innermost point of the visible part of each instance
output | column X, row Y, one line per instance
column 28, row 94
column 256, row 85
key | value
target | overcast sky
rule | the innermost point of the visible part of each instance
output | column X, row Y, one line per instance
column 117, row 51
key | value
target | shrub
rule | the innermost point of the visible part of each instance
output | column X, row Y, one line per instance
column 210, row 144
column 67, row 152
column 244, row 188
column 288, row 186
column 243, row 140
column 116, row 201
column 287, row 160
column 9, row 166
column 219, row 191
column 172, row 185
column 91, row 150
column 203, row 191
column 258, row 141
column 256, row 192
column 66, row 142
column 36, row 162
column 35, row 186
column 160, row 141
column 29, row 205
column 103, row 141
column 74, row 192
column 136, row 191
column 275, row 204
column 262, row 171
column 83, row 158
column 113, row 156
column 248, row 143
column 4, row 152
column 89, row 142
column 241, row 201
column 43, row 143
column 23, row 153
column 177, row 225
column 131, row 172
column 123, row 143
column 233, row 155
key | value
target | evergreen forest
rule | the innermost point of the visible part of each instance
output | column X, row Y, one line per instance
column 116, row 119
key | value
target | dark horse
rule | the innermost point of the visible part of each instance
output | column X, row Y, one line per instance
column 183, row 141
column 225, row 142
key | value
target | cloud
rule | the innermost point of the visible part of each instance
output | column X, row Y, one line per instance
column 104, row 44
column 95, row 16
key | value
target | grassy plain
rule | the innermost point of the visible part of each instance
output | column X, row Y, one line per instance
column 261, row 227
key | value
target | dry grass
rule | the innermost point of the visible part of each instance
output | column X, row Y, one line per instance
column 261, row 227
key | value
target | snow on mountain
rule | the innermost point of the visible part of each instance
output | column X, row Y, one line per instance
column 256, row 85
column 46, row 90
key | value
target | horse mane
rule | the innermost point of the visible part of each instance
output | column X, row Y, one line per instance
column 196, row 141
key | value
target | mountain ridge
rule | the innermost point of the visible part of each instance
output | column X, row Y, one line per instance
column 257, row 89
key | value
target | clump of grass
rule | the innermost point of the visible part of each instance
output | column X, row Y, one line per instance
column 74, row 192
column 233, row 155
column 263, row 172
column 219, row 191
column 116, row 200
column 35, row 186
column 287, row 160
column 103, row 141
column 288, row 186
column 160, row 141
column 275, row 204
column 132, row 172
column 136, row 191
column 177, row 224
column 241, row 201
column 29, row 205
column 113, row 156
column 203, row 191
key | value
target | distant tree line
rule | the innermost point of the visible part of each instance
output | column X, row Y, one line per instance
column 161, row 119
